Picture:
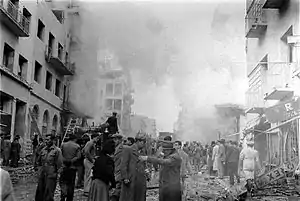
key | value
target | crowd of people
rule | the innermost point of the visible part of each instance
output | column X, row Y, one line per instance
column 120, row 167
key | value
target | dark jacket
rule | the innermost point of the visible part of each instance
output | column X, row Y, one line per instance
column 71, row 153
column 232, row 154
column 103, row 169
column 169, row 177
column 112, row 125
column 134, row 170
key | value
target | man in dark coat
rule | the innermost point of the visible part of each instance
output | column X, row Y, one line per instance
column 169, row 177
column 15, row 152
column 133, row 175
column 118, row 140
column 112, row 124
column 6, row 150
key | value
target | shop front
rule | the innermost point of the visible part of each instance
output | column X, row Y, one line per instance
column 284, row 133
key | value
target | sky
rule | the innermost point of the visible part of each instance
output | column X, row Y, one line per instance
column 179, row 53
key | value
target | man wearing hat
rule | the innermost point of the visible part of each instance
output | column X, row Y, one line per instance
column 169, row 177
column 134, row 184
column 15, row 152
column 249, row 162
column 112, row 124
column 118, row 139
column 89, row 154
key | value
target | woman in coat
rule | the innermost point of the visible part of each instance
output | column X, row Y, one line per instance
column 169, row 177
column 103, row 174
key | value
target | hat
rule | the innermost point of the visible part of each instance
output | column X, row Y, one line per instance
column 167, row 145
column 140, row 136
column 117, row 135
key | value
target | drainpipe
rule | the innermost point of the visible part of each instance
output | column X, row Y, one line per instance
column 13, row 119
column 295, row 41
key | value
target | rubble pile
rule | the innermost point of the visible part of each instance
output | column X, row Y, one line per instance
column 22, row 173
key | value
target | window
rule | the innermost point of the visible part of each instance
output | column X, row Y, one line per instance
column 57, row 88
column 50, row 43
column 8, row 57
column 59, row 14
column 48, row 81
column 67, row 58
column 26, row 19
column 60, row 51
column 54, row 124
column 45, row 122
column 109, row 104
column 109, row 89
column 118, row 89
column 41, row 30
column 22, row 67
column 38, row 72
column 65, row 93
column 117, row 104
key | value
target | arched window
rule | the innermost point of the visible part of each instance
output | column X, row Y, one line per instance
column 35, row 112
column 54, row 124
column 45, row 122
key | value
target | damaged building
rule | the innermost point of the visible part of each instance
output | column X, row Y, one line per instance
column 272, row 50
column 35, row 65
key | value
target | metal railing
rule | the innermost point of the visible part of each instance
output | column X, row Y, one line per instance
column 13, row 11
column 278, row 75
column 254, row 98
column 254, row 14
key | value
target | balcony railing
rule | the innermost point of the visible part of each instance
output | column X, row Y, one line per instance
column 65, row 68
column 256, row 24
column 14, row 19
column 279, row 75
column 254, row 99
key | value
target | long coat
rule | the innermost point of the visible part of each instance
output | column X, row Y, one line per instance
column 169, row 177
column 134, row 170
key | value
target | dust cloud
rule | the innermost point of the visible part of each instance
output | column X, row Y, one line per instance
column 183, row 57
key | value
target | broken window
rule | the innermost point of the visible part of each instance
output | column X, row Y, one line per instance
column 22, row 67
column 49, row 81
column 37, row 72
column 41, row 30
column 45, row 122
column 109, row 104
column 59, row 14
column 8, row 57
column 57, row 88
column 26, row 19
column 50, row 44
column 67, row 58
column 60, row 51
column 65, row 93
column 118, row 89
column 109, row 89
column 117, row 104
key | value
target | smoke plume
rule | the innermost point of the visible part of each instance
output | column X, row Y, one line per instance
column 179, row 54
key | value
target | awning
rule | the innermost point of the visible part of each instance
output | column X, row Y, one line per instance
column 255, row 110
column 279, row 94
column 282, row 124
column 283, row 111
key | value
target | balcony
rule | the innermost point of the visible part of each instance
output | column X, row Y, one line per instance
column 273, row 4
column 254, row 102
column 279, row 80
column 255, row 21
column 64, row 68
column 13, row 18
